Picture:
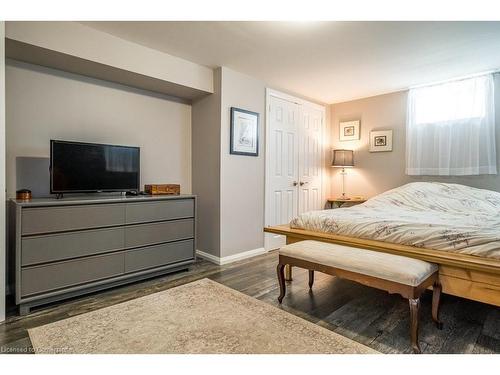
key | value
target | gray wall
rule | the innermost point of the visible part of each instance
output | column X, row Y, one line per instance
column 206, row 140
column 230, row 188
column 78, row 48
column 44, row 104
column 377, row 172
column 2, row 172
column 242, row 177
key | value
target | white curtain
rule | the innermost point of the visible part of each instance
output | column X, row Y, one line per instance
column 450, row 128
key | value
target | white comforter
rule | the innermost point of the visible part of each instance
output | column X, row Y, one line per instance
column 431, row 215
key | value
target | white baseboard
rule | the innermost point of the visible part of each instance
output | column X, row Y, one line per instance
column 207, row 256
column 230, row 258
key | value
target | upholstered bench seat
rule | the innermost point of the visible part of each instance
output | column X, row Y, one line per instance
column 385, row 266
column 393, row 273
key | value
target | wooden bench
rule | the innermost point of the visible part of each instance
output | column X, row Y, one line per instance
column 393, row 273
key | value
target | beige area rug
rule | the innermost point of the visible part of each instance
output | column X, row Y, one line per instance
column 199, row 317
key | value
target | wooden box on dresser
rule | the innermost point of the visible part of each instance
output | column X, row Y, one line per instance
column 71, row 246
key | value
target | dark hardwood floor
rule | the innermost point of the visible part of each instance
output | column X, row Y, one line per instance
column 369, row 316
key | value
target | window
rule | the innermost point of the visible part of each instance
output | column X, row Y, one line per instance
column 450, row 128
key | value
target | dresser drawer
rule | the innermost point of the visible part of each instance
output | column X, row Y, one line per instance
column 153, row 233
column 159, row 210
column 159, row 255
column 58, row 219
column 40, row 279
column 60, row 246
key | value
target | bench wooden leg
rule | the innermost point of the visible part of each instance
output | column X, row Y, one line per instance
column 288, row 272
column 414, row 307
column 281, row 280
column 311, row 278
column 436, row 296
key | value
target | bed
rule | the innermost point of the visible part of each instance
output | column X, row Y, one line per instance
column 455, row 226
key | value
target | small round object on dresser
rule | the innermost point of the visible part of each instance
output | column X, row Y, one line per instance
column 23, row 194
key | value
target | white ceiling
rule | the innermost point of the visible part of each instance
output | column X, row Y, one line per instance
column 327, row 61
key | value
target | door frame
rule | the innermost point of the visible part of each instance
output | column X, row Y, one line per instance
column 267, row 191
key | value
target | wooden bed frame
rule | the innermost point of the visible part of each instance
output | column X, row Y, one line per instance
column 461, row 275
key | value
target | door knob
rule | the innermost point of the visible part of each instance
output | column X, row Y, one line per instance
column 295, row 183
column 303, row 183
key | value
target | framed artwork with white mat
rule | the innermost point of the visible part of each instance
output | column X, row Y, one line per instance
column 244, row 132
column 381, row 140
column 349, row 130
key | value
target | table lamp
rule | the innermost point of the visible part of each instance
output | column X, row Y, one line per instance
column 343, row 159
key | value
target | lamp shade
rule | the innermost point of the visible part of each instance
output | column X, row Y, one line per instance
column 343, row 158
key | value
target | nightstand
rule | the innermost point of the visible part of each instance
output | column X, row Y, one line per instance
column 339, row 202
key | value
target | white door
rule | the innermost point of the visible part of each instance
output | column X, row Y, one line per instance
column 310, row 159
column 283, row 169
column 294, row 162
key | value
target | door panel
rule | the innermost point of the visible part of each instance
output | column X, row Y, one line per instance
column 294, row 162
column 283, row 162
column 310, row 159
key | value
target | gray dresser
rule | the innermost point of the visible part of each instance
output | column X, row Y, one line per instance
column 67, row 247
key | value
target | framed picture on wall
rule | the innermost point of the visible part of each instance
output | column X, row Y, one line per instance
column 349, row 130
column 381, row 140
column 244, row 132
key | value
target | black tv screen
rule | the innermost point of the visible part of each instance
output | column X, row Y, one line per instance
column 77, row 167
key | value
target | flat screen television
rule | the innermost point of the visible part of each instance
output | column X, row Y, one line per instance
column 77, row 167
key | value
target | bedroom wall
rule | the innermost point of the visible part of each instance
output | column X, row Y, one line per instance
column 3, row 281
column 44, row 104
column 377, row 172
column 79, row 48
column 206, row 129
column 242, row 177
column 230, row 188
